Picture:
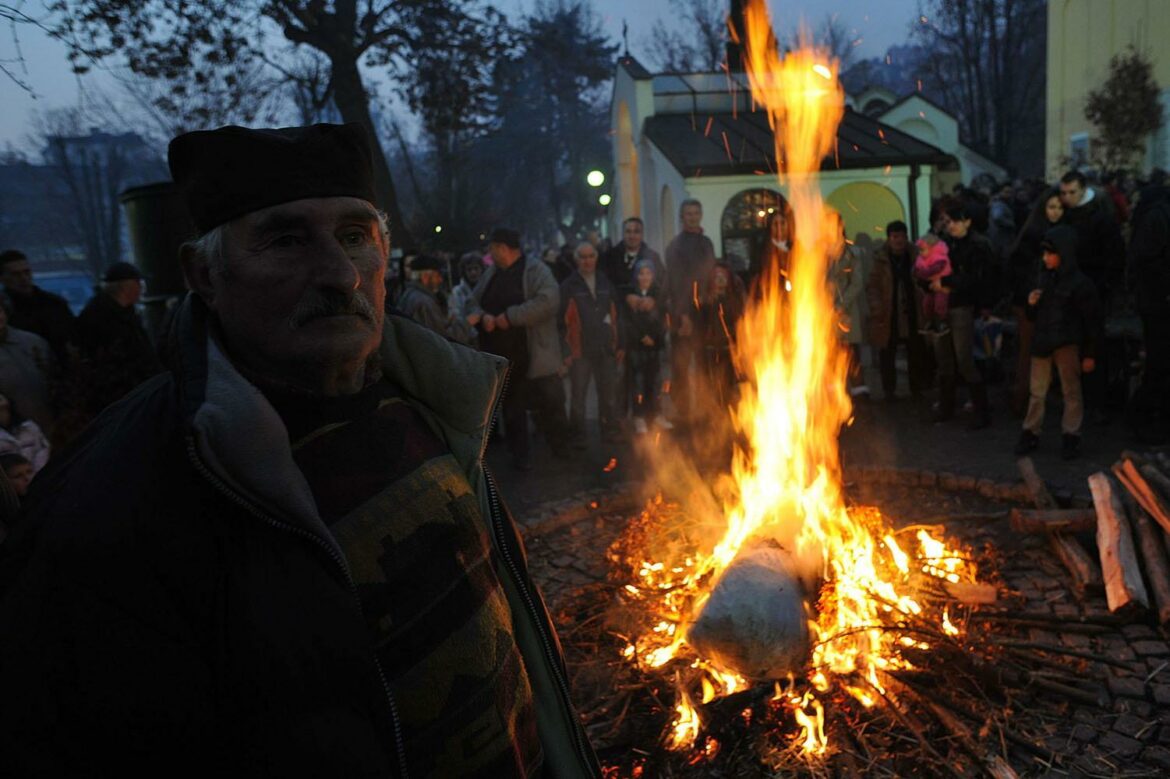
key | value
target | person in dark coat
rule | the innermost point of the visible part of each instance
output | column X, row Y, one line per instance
column 690, row 257
column 645, row 340
column 618, row 261
column 589, row 325
column 283, row 556
column 1023, row 260
column 1068, row 329
column 31, row 308
column 421, row 300
column 970, row 288
column 893, row 304
column 115, row 352
column 1148, row 276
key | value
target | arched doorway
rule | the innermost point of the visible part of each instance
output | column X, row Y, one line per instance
column 668, row 219
column 744, row 224
column 866, row 207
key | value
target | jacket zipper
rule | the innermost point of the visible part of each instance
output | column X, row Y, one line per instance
column 234, row 497
column 550, row 654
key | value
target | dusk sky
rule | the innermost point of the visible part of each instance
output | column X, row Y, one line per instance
column 878, row 26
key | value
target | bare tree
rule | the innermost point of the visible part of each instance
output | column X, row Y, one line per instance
column 94, row 168
column 986, row 59
column 698, row 45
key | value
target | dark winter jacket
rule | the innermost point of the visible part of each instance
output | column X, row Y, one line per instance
column 1069, row 310
column 173, row 602
column 1101, row 247
column 690, row 258
column 646, row 323
column 619, row 269
column 1148, row 273
column 589, row 320
column 116, row 354
column 45, row 314
column 973, row 271
column 1024, row 260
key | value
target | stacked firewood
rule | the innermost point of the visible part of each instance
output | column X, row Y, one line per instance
column 1131, row 519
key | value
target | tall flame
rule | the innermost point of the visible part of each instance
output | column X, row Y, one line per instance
column 792, row 406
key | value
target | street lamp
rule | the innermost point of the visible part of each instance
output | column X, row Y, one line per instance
column 438, row 228
column 595, row 178
column 605, row 199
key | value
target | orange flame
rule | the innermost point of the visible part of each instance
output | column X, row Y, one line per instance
column 793, row 403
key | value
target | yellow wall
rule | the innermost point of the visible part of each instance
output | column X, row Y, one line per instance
column 1082, row 37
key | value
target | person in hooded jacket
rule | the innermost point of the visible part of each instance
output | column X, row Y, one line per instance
column 1068, row 321
column 1022, row 263
column 1148, row 277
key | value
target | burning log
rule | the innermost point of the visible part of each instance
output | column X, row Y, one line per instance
column 1053, row 520
column 1085, row 573
column 754, row 623
column 1153, row 551
column 1135, row 481
column 1124, row 589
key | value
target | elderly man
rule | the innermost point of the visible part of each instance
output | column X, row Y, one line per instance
column 421, row 301
column 515, row 306
column 284, row 556
column 32, row 308
column 116, row 354
column 589, row 322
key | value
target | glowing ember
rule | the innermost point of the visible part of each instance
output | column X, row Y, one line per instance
column 785, row 487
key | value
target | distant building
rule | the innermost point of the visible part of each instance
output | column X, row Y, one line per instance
column 1083, row 35
column 64, row 213
column 678, row 136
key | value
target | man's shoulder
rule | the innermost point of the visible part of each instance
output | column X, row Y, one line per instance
column 27, row 339
column 51, row 300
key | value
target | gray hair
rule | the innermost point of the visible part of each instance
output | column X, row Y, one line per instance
column 690, row 201
column 210, row 246
column 582, row 245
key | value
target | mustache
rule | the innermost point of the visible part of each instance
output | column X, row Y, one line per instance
column 321, row 303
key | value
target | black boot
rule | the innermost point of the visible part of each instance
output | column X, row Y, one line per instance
column 982, row 407
column 946, row 399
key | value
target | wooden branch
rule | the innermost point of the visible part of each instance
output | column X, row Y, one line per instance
column 1124, row 590
column 1052, row 520
column 1146, row 496
column 1085, row 574
column 1040, row 494
column 1153, row 552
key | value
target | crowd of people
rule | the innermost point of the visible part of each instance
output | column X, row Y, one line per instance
column 1006, row 284
column 58, row 371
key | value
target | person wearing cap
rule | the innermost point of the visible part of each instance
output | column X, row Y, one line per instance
column 115, row 353
column 421, row 301
column 283, row 556
column 514, row 307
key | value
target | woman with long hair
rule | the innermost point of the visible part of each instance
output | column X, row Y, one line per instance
column 1023, row 270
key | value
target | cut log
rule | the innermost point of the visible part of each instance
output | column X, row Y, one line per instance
column 1157, row 479
column 1146, row 496
column 1086, row 575
column 972, row 593
column 1124, row 590
column 1051, row 520
column 1153, row 552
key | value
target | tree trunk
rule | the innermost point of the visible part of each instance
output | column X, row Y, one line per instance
column 349, row 94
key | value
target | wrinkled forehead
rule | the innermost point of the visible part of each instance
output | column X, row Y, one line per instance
column 320, row 212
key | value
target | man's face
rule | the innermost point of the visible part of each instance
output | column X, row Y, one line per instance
column 586, row 259
column 632, row 235
column 432, row 280
column 503, row 254
column 898, row 241
column 1051, row 259
column 692, row 218
column 1071, row 194
column 131, row 290
column 302, row 286
column 472, row 271
column 17, row 277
